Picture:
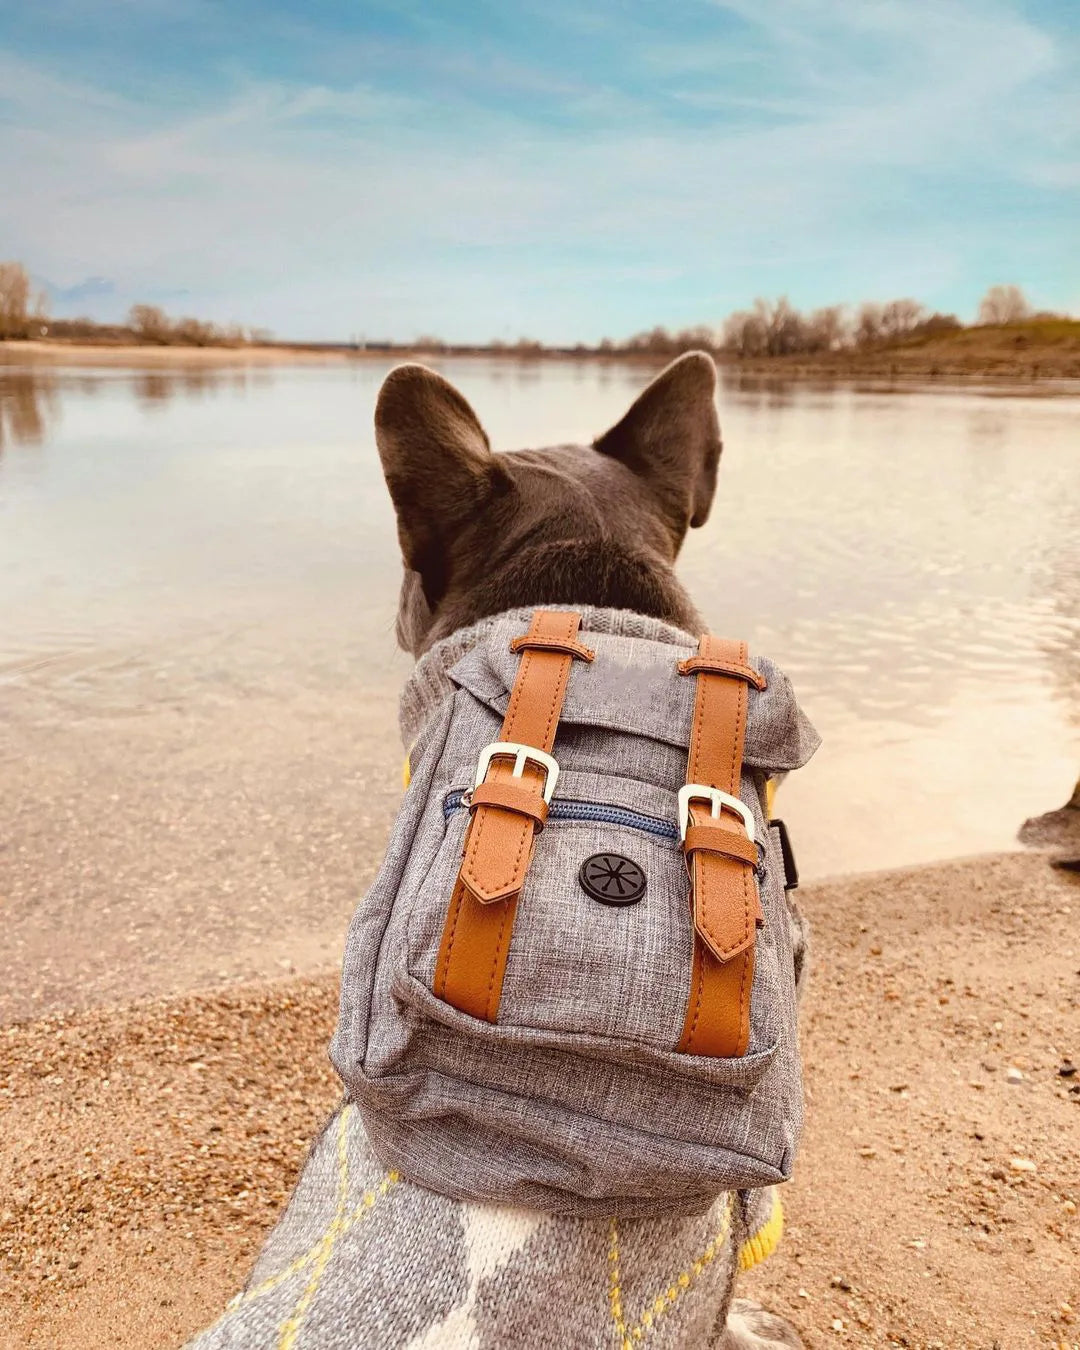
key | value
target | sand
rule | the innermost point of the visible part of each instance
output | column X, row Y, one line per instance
column 137, row 354
column 149, row 1147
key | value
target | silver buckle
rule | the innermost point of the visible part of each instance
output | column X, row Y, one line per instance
column 523, row 754
column 693, row 792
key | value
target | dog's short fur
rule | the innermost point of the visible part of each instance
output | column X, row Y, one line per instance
column 480, row 534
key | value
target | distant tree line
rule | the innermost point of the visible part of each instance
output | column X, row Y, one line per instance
column 777, row 328
column 769, row 328
column 151, row 324
column 24, row 314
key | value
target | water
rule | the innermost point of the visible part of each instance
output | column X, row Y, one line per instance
column 198, row 579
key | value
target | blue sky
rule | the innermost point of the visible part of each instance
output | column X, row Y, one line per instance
column 562, row 170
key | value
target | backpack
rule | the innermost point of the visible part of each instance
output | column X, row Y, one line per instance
column 572, row 985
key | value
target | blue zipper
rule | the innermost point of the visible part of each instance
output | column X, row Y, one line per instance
column 564, row 809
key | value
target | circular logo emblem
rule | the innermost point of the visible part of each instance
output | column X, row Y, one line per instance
column 612, row 879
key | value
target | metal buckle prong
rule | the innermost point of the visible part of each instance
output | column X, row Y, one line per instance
column 717, row 800
column 522, row 755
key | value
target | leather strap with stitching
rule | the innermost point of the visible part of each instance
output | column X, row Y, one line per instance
column 719, row 857
column 508, row 811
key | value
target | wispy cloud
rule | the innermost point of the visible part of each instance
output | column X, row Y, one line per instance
column 481, row 180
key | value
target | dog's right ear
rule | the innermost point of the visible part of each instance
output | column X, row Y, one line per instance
column 438, row 466
column 671, row 439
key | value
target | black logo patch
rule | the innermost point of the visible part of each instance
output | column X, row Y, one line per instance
column 612, row 879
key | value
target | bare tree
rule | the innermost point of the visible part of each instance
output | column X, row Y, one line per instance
column 189, row 332
column 20, row 311
column 701, row 337
column 149, row 323
column 900, row 317
column 1004, row 304
column 745, row 333
column 776, row 328
column 868, row 324
column 657, row 341
column 783, row 326
column 826, row 329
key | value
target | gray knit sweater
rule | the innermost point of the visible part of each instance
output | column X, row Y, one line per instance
column 362, row 1258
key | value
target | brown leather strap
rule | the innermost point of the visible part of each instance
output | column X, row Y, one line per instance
column 499, row 843
column 694, row 665
column 719, row 839
column 719, row 857
column 510, row 797
column 539, row 642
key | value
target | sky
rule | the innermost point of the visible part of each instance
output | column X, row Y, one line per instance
column 560, row 170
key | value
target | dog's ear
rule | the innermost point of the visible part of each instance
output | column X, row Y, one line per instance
column 671, row 439
column 438, row 466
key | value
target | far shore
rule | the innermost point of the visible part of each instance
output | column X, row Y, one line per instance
column 1042, row 354
column 143, row 354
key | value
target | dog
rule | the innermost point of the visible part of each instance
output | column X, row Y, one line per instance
column 361, row 1258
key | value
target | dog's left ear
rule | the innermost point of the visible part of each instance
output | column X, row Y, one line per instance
column 438, row 466
column 671, row 439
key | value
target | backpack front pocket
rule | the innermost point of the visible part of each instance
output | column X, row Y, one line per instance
column 615, row 965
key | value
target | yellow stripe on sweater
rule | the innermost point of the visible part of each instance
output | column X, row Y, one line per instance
column 761, row 1245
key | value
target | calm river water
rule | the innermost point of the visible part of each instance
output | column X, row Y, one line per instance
column 198, row 578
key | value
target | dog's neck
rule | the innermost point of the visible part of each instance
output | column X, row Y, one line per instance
column 429, row 685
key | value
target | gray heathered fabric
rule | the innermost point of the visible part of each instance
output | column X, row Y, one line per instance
column 576, row 1101
column 362, row 1259
column 430, row 682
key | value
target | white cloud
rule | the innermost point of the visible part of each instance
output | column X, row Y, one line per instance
column 320, row 209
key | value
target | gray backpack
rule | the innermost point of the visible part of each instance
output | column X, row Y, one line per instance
column 572, row 986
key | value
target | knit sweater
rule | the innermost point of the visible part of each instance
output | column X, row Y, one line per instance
column 363, row 1258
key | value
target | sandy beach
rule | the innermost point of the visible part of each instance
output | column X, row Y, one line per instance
column 149, row 1147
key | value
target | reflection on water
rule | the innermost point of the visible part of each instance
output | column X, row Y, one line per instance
column 192, row 535
column 27, row 402
column 155, row 388
column 30, row 394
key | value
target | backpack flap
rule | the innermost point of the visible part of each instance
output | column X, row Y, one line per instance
column 634, row 688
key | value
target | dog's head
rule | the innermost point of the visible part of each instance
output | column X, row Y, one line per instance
column 579, row 525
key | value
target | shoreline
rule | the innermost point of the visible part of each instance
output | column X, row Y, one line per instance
column 137, row 354
column 1040, row 369
column 151, row 1145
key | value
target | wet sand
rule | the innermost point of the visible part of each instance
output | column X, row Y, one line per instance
column 149, row 1147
